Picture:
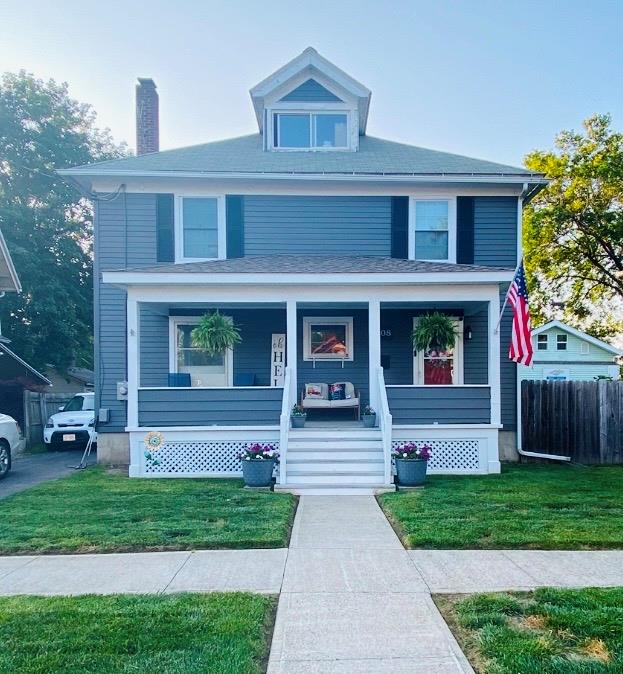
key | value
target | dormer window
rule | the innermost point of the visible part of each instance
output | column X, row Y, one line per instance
column 310, row 130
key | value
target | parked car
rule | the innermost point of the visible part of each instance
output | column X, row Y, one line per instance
column 73, row 425
column 11, row 441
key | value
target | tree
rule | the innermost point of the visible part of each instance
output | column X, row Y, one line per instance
column 46, row 222
column 573, row 230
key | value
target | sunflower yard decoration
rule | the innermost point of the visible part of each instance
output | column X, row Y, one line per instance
column 153, row 442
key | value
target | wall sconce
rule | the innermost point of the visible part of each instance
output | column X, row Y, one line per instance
column 468, row 333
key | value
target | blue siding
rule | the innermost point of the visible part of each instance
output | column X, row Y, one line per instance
column 116, row 248
column 154, row 347
column 355, row 371
column 313, row 91
column 210, row 407
column 439, row 404
column 476, row 349
column 495, row 231
column 317, row 225
column 508, row 371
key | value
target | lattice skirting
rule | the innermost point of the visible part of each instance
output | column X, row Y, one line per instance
column 455, row 451
column 196, row 455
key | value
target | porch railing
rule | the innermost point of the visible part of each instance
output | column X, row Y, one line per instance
column 284, row 426
column 385, row 425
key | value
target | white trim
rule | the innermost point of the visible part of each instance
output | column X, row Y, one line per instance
column 579, row 334
column 347, row 321
column 133, row 356
column 437, row 386
column 539, row 342
column 457, row 372
column 494, row 357
column 221, row 220
column 311, row 113
column 292, row 348
column 208, row 388
column 451, row 200
column 280, row 279
column 437, row 427
column 520, row 227
column 174, row 321
column 375, row 372
column 201, row 429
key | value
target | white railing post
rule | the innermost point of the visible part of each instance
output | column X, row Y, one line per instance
column 284, row 426
column 291, row 348
column 133, row 351
column 374, row 348
column 385, row 424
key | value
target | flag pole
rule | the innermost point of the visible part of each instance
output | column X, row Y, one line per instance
column 497, row 327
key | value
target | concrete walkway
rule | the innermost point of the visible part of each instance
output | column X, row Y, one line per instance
column 353, row 601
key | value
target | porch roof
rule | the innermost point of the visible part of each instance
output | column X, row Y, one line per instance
column 313, row 264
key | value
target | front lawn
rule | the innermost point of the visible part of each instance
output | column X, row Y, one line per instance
column 549, row 631
column 181, row 634
column 93, row 511
column 530, row 506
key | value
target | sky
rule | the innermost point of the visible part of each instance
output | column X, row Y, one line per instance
column 484, row 78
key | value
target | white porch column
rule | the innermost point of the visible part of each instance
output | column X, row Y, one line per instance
column 133, row 355
column 291, row 348
column 494, row 377
column 374, row 349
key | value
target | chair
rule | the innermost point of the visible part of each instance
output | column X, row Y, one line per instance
column 179, row 379
column 244, row 379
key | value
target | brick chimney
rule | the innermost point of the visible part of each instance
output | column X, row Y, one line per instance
column 147, row 129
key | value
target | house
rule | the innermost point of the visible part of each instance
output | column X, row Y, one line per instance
column 16, row 375
column 563, row 353
column 74, row 380
column 306, row 232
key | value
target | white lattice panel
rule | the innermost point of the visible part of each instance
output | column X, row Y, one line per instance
column 450, row 455
column 191, row 457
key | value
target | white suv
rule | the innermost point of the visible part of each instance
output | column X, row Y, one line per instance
column 73, row 425
column 11, row 441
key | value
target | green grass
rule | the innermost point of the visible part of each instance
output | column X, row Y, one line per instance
column 549, row 631
column 174, row 634
column 531, row 506
column 93, row 511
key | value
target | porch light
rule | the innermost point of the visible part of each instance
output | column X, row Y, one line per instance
column 468, row 333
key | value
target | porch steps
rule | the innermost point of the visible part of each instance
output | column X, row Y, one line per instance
column 335, row 460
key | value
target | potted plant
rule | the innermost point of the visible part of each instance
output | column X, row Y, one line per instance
column 411, row 462
column 434, row 330
column 215, row 334
column 258, row 463
column 369, row 417
column 298, row 416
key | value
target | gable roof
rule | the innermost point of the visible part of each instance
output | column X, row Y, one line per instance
column 579, row 334
column 245, row 157
column 9, row 280
column 17, row 368
column 306, row 65
column 311, row 90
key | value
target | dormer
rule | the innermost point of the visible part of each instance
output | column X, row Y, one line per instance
column 311, row 105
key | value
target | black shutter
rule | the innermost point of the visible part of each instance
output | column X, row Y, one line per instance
column 400, row 227
column 164, row 228
column 235, row 225
column 465, row 230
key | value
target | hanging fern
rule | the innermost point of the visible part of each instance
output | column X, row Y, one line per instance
column 215, row 333
column 435, row 329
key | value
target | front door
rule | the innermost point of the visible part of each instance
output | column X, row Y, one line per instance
column 440, row 368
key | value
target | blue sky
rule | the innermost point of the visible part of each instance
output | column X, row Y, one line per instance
column 481, row 78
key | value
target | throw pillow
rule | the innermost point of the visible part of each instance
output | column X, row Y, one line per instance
column 337, row 392
column 313, row 391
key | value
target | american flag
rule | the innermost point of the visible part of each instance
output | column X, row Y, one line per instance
column 520, row 350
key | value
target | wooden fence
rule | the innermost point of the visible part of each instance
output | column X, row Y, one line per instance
column 580, row 419
column 38, row 407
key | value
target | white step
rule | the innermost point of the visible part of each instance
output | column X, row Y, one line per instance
column 330, row 467
column 319, row 477
column 335, row 489
column 334, row 455
column 331, row 433
column 335, row 444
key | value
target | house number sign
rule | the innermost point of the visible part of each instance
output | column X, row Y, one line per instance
column 386, row 334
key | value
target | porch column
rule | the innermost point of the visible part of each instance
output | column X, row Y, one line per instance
column 374, row 349
column 291, row 348
column 494, row 380
column 132, row 322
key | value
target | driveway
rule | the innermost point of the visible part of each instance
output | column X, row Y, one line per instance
column 29, row 470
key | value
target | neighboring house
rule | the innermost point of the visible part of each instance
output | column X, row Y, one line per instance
column 564, row 353
column 75, row 380
column 305, row 233
column 16, row 375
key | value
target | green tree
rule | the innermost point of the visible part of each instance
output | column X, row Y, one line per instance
column 573, row 230
column 45, row 221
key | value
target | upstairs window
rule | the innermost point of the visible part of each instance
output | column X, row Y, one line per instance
column 561, row 342
column 541, row 342
column 432, row 230
column 199, row 228
column 310, row 130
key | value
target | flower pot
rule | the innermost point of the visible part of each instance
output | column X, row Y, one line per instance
column 258, row 472
column 411, row 472
column 298, row 421
column 369, row 420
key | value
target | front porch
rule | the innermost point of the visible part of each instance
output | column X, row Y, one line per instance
column 246, row 395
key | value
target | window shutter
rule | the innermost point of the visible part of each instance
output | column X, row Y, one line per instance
column 164, row 228
column 235, row 225
column 400, row 227
column 465, row 230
